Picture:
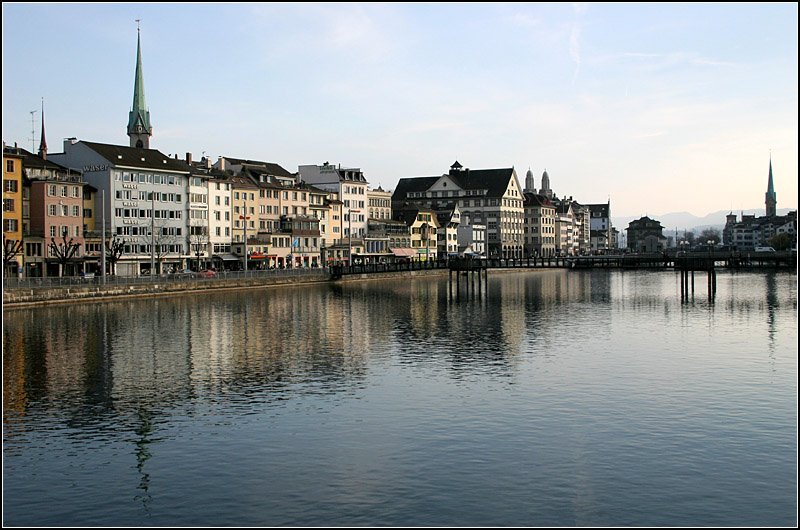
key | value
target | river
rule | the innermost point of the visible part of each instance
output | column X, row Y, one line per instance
column 549, row 398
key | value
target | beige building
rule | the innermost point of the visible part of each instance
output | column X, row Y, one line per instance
column 380, row 204
column 490, row 197
column 539, row 226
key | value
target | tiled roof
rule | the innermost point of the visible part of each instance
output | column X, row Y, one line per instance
column 137, row 157
column 495, row 181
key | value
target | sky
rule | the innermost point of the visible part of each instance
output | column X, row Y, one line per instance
column 658, row 107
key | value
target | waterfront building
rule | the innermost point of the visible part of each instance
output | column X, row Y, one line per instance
column 244, row 203
column 389, row 239
column 491, row 197
column 646, row 235
column 752, row 231
column 13, row 250
column 146, row 201
column 423, row 226
column 53, row 226
column 92, row 236
column 539, row 225
column 351, row 185
column 564, row 239
column 199, row 221
column 380, row 203
column 471, row 237
column 219, row 209
column 331, row 229
column 449, row 219
column 601, row 230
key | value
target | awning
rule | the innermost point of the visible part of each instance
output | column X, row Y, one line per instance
column 226, row 257
column 404, row 252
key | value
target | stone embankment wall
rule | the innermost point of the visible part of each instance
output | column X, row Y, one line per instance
column 20, row 297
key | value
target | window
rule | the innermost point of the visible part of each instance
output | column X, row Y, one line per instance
column 10, row 225
column 9, row 166
column 76, row 211
column 10, row 185
column 51, row 210
column 8, row 205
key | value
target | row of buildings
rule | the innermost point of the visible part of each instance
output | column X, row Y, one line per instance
column 140, row 211
column 143, row 211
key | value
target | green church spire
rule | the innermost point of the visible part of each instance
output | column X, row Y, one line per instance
column 139, row 128
column 771, row 200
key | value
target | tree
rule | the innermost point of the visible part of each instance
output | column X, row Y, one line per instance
column 114, row 250
column 63, row 251
column 781, row 241
column 198, row 242
column 11, row 249
column 710, row 234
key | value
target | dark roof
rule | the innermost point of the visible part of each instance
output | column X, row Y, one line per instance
column 534, row 199
column 412, row 184
column 137, row 157
column 30, row 160
column 268, row 168
column 495, row 181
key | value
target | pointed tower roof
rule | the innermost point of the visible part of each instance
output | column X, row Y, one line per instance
column 139, row 127
column 771, row 200
column 43, row 142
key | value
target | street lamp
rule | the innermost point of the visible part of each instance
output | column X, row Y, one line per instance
column 245, row 217
column 350, row 236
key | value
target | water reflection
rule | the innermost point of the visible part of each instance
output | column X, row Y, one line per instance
column 555, row 357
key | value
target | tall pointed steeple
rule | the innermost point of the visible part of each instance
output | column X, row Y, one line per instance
column 139, row 128
column 771, row 200
column 43, row 142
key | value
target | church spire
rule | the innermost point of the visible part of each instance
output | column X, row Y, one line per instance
column 771, row 201
column 139, row 128
column 43, row 142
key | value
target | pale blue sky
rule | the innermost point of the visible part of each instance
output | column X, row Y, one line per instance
column 662, row 107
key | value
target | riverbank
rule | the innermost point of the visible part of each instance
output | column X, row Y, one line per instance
column 33, row 296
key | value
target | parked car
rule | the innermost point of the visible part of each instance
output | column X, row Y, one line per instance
column 207, row 274
column 765, row 249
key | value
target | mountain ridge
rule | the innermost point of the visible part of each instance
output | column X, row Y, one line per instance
column 687, row 221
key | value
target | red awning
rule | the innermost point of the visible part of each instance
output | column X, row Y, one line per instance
column 404, row 252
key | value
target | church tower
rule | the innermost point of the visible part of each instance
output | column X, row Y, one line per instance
column 546, row 191
column 530, row 187
column 139, row 128
column 771, row 200
column 43, row 141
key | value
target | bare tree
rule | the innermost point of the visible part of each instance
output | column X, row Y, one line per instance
column 64, row 251
column 710, row 234
column 198, row 242
column 161, row 240
column 11, row 249
column 114, row 250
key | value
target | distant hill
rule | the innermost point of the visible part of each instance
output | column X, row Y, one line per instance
column 686, row 221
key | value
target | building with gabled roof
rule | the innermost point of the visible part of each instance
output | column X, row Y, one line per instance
column 145, row 196
column 490, row 197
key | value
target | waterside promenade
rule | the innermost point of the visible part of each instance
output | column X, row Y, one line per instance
column 35, row 291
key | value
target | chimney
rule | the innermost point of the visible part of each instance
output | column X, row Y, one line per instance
column 222, row 163
column 188, row 158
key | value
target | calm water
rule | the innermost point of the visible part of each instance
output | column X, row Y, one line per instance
column 552, row 399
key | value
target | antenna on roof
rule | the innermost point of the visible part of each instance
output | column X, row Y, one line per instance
column 33, row 130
